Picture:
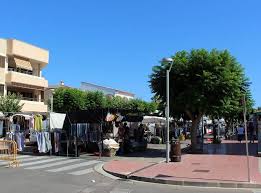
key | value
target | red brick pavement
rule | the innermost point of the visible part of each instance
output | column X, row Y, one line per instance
column 206, row 168
column 226, row 168
column 125, row 167
column 217, row 167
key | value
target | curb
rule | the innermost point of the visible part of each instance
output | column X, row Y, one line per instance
column 186, row 183
column 99, row 169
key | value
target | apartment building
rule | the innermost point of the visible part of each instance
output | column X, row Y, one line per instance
column 106, row 90
column 21, row 67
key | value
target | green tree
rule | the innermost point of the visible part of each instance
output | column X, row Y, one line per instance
column 68, row 99
column 10, row 103
column 201, row 82
column 94, row 100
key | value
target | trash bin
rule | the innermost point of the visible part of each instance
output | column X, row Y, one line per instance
column 175, row 151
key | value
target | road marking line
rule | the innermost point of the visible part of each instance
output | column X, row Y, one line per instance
column 23, row 156
column 81, row 172
column 22, row 159
column 52, row 164
column 41, row 162
column 74, row 166
column 31, row 159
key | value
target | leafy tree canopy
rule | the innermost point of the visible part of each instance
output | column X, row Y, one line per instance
column 202, row 82
column 10, row 103
column 68, row 99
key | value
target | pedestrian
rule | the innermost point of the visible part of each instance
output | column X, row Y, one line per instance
column 141, row 133
column 252, row 133
column 121, row 133
column 240, row 133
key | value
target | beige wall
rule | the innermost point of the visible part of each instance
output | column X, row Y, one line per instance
column 16, row 47
column 2, row 76
column 32, row 106
column 3, row 47
column 26, row 79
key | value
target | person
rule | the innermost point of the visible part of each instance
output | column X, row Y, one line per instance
column 251, row 129
column 240, row 133
column 215, row 132
column 140, row 133
column 126, row 144
column 121, row 133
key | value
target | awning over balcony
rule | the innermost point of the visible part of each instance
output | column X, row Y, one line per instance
column 26, row 86
column 19, row 62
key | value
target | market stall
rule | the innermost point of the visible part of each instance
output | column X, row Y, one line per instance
column 31, row 131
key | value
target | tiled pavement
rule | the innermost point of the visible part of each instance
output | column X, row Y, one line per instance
column 223, row 163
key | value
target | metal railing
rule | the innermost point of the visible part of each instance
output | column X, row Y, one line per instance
column 28, row 72
column 32, row 99
column 8, row 152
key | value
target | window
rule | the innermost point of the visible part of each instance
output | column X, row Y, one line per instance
column 1, row 90
column 2, row 61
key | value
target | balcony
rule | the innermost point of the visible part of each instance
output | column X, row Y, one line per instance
column 25, row 80
column 2, row 75
column 19, row 48
column 33, row 106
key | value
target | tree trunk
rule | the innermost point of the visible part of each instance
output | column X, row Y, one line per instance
column 193, row 133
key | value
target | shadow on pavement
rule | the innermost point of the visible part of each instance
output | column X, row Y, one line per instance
column 230, row 149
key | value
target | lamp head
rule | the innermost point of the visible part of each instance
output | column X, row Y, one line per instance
column 167, row 60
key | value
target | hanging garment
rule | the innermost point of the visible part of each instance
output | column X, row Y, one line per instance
column 1, row 128
column 12, row 128
column 31, row 123
column 20, row 141
column 56, row 142
column 57, row 120
column 45, row 125
column 39, row 141
column 119, row 117
column 109, row 117
column 43, row 142
column 38, row 122
column 33, row 136
column 10, row 136
column 48, row 145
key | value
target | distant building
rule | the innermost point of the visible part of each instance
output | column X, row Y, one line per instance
column 106, row 90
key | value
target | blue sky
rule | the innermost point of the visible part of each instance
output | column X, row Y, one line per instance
column 116, row 43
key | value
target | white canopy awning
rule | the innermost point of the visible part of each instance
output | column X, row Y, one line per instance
column 153, row 119
column 57, row 120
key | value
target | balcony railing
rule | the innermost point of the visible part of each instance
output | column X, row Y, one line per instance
column 23, row 71
column 31, row 99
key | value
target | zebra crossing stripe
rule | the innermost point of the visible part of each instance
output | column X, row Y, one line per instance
column 31, row 159
column 74, row 166
column 81, row 172
column 41, row 162
column 3, row 163
column 23, row 156
column 52, row 164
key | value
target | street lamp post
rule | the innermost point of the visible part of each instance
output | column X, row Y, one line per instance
column 169, row 61
column 246, row 137
column 52, row 102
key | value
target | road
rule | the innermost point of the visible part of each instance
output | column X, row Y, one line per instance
column 42, row 174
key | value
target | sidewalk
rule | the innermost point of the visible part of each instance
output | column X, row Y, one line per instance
column 222, row 165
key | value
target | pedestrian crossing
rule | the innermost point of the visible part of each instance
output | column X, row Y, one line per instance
column 52, row 164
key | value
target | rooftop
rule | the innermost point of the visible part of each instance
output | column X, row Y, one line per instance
column 108, row 88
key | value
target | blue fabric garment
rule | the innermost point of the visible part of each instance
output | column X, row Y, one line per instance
column 20, row 141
